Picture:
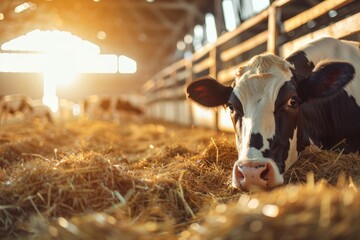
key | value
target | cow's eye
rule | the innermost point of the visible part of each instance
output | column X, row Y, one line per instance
column 231, row 107
column 293, row 102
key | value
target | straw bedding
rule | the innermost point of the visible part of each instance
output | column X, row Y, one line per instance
column 144, row 180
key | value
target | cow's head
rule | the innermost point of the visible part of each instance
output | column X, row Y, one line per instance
column 265, row 104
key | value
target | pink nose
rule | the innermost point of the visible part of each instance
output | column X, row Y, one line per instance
column 251, row 174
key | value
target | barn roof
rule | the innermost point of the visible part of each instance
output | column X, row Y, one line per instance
column 145, row 30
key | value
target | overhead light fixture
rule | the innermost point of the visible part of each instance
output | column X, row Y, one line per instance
column 150, row 1
column 332, row 13
column 198, row 31
column 101, row 35
column 211, row 33
column 198, row 37
column 188, row 39
column 2, row 16
column 180, row 45
column 24, row 6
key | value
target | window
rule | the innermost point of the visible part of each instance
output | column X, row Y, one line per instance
column 229, row 15
column 198, row 37
column 211, row 33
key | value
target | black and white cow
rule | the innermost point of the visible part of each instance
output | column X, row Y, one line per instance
column 39, row 111
column 12, row 105
column 23, row 106
column 279, row 106
column 108, row 107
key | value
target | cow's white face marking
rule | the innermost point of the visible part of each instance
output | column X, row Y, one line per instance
column 257, row 88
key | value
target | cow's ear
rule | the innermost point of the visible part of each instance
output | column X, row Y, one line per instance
column 209, row 92
column 327, row 79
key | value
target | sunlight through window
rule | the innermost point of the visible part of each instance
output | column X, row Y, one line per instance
column 127, row 65
column 49, row 42
column 60, row 56
column 259, row 5
column 229, row 15
column 198, row 37
column 211, row 33
column 21, row 62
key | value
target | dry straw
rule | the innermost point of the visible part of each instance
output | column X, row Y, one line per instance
column 103, row 180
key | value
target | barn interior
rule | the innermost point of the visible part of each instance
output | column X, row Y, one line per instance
column 146, row 31
column 156, row 166
column 153, row 33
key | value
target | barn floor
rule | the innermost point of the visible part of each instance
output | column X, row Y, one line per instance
column 148, row 180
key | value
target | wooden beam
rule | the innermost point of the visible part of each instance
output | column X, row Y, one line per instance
column 203, row 65
column 312, row 13
column 339, row 29
column 228, row 74
column 183, row 75
column 274, row 25
column 163, row 18
column 204, row 50
column 173, row 5
column 213, row 67
column 261, row 17
column 244, row 46
column 175, row 66
column 281, row 3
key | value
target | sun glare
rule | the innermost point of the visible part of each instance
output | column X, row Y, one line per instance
column 50, row 41
column 60, row 56
column 127, row 65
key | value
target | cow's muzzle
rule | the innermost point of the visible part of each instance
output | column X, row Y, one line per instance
column 255, row 174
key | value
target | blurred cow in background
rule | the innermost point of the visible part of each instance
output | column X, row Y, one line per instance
column 39, row 111
column 17, row 106
column 126, row 106
column 108, row 108
column 68, row 109
column 13, row 106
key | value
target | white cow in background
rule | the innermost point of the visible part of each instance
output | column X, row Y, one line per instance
column 14, row 105
column 39, row 111
column 18, row 106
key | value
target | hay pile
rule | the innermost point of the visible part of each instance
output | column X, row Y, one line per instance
column 103, row 180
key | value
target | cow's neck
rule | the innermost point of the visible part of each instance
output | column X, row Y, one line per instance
column 325, row 123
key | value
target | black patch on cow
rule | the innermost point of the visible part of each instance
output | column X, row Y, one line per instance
column 256, row 141
column 329, row 122
column 286, row 120
column 326, row 122
column 302, row 65
column 237, row 110
column 277, row 153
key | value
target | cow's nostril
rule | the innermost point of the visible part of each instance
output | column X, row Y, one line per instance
column 265, row 174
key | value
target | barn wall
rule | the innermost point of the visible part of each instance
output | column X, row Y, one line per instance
column 31, row 84
column 280, row 29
